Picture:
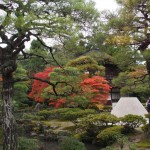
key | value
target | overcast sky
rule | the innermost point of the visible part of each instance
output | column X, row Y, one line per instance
column 106, row 4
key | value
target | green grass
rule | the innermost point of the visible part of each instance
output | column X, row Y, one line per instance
column 143, row 144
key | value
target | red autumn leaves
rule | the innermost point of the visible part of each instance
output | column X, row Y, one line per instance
column 97, row 86
column 95, row 89
column 39, row 86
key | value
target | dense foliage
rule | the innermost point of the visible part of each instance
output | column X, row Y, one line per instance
column 38, row 86
column 73, row 88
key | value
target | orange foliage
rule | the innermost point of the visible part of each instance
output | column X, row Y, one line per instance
column 98, row 87
column 59, row 103
column 39, row 86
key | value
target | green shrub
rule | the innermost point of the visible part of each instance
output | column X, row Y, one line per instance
column 107, row 108
column 108, row 135
column 27, row 144
column 70, row 143
column 32, row 117
column 65, row 113
column 94, row 123
column 145, row 128
column 73, row 115
column 45, row 113
column 103, row 119
column 55, row 113
column 132, row 121
column 86, row 136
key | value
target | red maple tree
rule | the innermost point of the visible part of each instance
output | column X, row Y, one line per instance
column 97, row 87
column 39, row 86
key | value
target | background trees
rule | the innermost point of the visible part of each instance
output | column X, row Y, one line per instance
column 129, row 31
column 37, row 58
column 129, row 35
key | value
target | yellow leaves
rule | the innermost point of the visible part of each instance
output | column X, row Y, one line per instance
column 99, row 106
column 120, row 40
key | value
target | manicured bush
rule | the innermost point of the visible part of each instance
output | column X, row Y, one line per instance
column 65, row 113
column 145, row 128
column 27, row 144
column 55, row 113
column 93, row 124
column 132, row 121
column 73, row 115
column 46, row 114
column 32, row 117
column 108, row 136
column 107, row 108
column 70, row 143
column 102, row 119
column 88, row 135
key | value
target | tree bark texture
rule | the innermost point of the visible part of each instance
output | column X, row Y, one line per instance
column 10, row 142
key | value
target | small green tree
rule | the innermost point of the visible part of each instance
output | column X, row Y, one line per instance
column 88, row 65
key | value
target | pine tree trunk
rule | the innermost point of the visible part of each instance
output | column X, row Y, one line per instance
column 10, row 142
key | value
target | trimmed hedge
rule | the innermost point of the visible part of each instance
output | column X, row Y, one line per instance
column 108, row 135
column 65, row 113
column 132, row 121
